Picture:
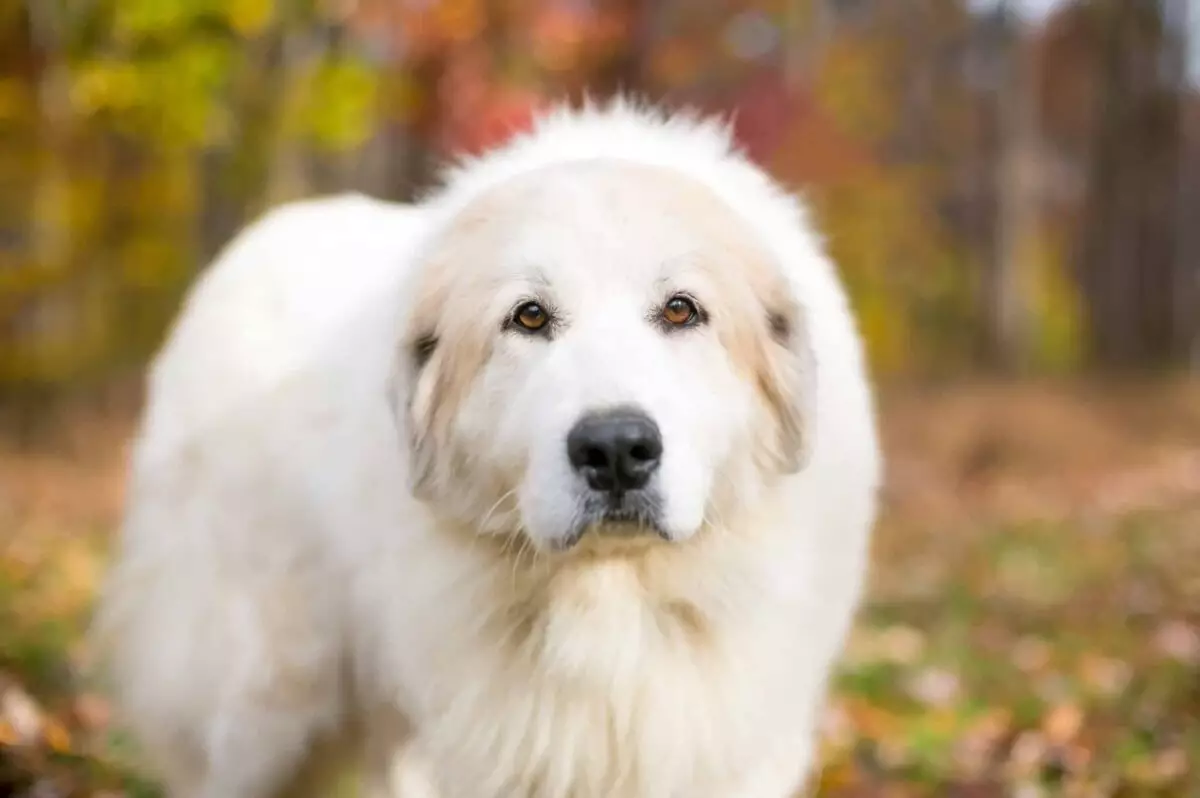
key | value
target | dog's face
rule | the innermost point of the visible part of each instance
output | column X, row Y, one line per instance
column 602, row 348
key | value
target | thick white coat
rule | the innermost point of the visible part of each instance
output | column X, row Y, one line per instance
column 280, row 600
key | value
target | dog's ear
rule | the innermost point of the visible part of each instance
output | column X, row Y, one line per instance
column 420, row 369
column 787, row 378
column 438, row 368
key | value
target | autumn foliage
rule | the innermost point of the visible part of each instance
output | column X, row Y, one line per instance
column 140, row 134
column 998, row 195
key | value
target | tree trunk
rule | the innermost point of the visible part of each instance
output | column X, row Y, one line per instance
column 1127, row 265
column 234, row 177
column 1183, row 17
column 1004, row 311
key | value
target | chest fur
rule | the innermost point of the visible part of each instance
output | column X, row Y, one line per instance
column 605, row 690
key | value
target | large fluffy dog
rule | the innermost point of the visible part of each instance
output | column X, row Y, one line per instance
column 557, row 485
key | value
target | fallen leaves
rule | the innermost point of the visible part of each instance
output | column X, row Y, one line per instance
column 1180, row 641
column 1018, row 642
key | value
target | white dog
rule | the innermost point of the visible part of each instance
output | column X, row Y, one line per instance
column 557, row 485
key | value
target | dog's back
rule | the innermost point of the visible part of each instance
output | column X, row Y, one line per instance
column 221, row 588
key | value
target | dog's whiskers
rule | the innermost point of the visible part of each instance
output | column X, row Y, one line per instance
column 487, row 517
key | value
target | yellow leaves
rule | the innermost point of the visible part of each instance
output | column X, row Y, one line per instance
column 16, row 100
column 402, row 97
column 23, row 280
column 169, row 100
column 836, row 776
column 898, row 262
column 1053, row 302
column 106, row 86
column 145, row 263
column 885, row 332
column 141, row 19
column 250, row 17
column 334, row 104
column 167, row 192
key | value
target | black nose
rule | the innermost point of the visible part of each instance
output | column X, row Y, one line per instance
column 615, row 450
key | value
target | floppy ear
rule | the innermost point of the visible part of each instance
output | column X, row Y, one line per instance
column 787, row 379
column 438, row 370
column 422, row 366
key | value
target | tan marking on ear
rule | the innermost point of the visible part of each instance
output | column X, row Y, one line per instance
column 448, row 308
column 762, row 327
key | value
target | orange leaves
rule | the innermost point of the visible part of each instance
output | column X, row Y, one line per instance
column 421, row 27
column 558, row 34
column 1062, row 724
column 676, row 60
column 499, row 113
column 812, row 150
column 457, row 20
column 24, row 724
column 960, row 680
column 35, row 743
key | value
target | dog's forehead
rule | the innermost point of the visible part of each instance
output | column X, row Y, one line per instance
column 600, row 221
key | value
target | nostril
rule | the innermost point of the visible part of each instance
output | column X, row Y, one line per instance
column 642, row 452
column 595, row 457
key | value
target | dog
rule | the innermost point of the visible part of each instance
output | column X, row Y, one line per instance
column 558, row 483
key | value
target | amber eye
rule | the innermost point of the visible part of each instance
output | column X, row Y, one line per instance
column 531, row 316
column 680, row 311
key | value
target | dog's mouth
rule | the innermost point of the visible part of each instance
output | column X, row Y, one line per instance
column 630, row 517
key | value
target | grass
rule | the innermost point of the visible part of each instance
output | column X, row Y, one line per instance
column 1032, row 627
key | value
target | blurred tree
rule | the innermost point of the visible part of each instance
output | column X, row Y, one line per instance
column 1187, row 292
column 155, row 129
column 1005, row 326
column 1129, row 267
column 959, row 161
column 887, row 75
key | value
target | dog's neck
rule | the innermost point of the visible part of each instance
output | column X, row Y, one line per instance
column 586, row 611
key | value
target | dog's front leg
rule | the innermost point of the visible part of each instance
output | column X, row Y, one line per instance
column 780, row 774
column 401, row 772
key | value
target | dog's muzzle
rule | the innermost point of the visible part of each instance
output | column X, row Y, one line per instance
column 635, row 515
column 616, row 452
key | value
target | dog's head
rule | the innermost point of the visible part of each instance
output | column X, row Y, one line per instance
column 602, row 347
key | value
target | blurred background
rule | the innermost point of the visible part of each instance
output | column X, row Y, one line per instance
column 1010, row 187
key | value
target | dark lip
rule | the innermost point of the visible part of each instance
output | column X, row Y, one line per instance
column 629, row 516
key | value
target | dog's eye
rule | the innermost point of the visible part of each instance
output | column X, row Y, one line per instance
column 680, row 311
column 530, row 316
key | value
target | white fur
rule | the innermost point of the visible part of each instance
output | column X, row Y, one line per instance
column 280, row 599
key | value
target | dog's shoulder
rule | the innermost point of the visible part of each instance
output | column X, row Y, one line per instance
column 297, row 282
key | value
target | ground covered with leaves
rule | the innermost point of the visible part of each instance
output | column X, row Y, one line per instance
column 1033, row 625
